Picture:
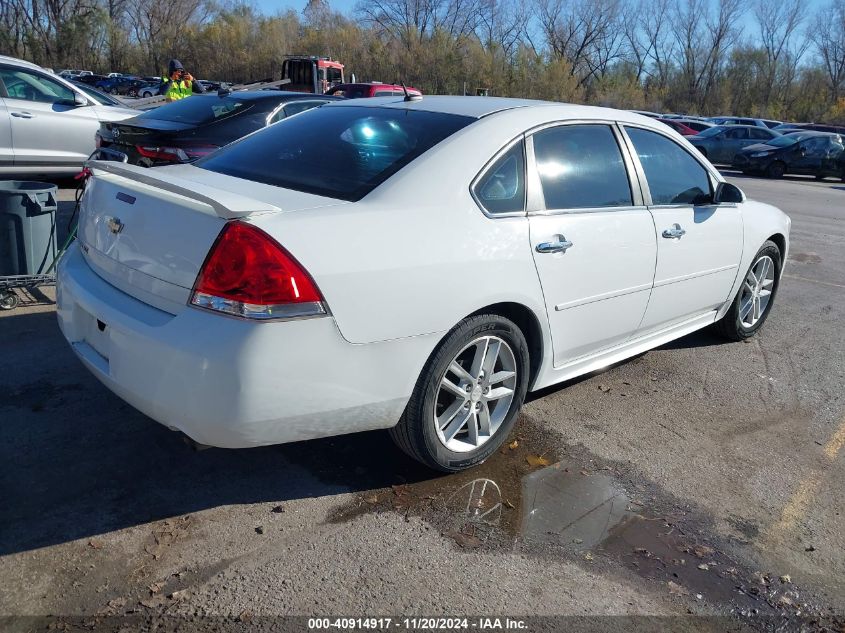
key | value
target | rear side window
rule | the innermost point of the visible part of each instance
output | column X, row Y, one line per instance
column 581, row 166
column 502, row 187
column 673, row 175
column 339, row 152
column 197, row 110
column 760, row 134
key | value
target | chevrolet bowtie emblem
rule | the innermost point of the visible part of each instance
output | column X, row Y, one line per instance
column 115, row 225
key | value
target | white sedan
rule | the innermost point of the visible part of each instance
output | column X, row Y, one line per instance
column 414, row 265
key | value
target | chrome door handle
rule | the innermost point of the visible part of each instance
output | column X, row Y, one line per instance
column 22, row 115
column 554, row 247
column 676, row 232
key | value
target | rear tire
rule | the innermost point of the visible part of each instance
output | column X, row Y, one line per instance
column 776, row 170
column 436, row 427
column 739, row 322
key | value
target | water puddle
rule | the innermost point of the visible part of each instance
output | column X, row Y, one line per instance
column 562, row 502
column 571, row 508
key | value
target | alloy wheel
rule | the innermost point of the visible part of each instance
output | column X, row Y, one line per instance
column 475, row 394
column 757, row 291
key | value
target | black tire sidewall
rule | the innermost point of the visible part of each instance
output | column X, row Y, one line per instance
column 770, row 249
column 776, row 170
column 430, row 382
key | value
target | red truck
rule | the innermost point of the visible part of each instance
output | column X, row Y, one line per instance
column 311, row 74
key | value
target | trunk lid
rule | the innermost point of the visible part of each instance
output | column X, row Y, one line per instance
column 148, row 231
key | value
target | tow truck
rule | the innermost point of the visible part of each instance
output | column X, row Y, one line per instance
column 311, row 73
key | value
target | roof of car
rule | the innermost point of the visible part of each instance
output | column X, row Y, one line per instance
column 22, row 62
column 271, row 95
column 478, row 107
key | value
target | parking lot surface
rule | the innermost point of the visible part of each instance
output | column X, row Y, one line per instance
column 700, row 478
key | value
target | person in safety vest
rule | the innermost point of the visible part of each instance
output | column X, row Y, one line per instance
column 178, row 84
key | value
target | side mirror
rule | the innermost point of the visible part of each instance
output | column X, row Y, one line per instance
column 728, row 192
column 79, row 99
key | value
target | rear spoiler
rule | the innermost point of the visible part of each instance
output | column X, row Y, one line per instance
column 226, row 204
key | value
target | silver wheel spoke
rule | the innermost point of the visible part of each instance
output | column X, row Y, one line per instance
column 748, row 287
column 478, row 359
column 452, row 388
column 765, row 293
column 484, row 419
column 498, row 393
column 456, row 425
column 472, row 428
column 768, row 283
column 459, row 371
column 501, row 376
column 449, row 414
column 746, row 308
column 491, row 356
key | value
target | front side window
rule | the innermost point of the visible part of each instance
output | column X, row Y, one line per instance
column 673, row 175
column 737, row 133
column 29, row 86
column 581, row 167
column 502, row 187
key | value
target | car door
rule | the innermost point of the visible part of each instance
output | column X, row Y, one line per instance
column 732, row 140
column 7, row 154
column 808, row 156
column 699, row 244
column 591, row 237
column 48, row 128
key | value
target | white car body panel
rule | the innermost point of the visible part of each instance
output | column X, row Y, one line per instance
column 398, row 269
column 697, row 270
column 597, row 291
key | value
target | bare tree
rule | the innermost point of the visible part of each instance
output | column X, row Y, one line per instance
column 585, row 33
column 828, row 35
column 777, row 23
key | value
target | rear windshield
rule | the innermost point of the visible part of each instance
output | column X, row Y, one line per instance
column 340, row 152
column 197, row 110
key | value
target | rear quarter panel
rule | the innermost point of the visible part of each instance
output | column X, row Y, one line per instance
column 417, row 255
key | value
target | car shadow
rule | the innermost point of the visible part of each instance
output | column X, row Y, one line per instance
column 77, row 461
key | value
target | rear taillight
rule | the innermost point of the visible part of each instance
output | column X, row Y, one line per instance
column 98, row 140
column 182, row 154
column 248, row 274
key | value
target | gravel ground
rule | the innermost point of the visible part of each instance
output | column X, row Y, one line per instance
column 700, row 478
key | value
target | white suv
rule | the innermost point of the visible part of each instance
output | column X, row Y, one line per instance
column 47, row 124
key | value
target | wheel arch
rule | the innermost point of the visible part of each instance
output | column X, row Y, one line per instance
column 527, row 321
column 779, row 240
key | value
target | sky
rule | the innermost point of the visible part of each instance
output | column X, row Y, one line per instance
column 271, row 7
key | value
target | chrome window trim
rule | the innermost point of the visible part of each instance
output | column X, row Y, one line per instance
column 540, row 208
column 487, row 166
column 290, row 101
column 713, row 175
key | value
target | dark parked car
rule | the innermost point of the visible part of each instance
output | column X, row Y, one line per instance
column 721, row 143
column 131, row 86
column 815, row 153
column 811, row 127
column 188, row 129
column 100, row 97
column 91, row 80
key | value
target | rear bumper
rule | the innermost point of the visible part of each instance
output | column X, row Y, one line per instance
column 228, row 382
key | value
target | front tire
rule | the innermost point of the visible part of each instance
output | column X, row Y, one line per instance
column 468, row 395
column 753, row 302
